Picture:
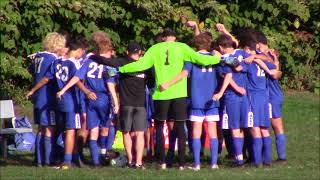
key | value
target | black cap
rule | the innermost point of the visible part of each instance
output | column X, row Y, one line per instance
column 133, row 47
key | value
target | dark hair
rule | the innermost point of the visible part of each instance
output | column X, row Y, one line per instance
column 261, row 37
column 247, row 38
column 168, row 32
column 225, row 41
column 133, row 47
column 77, row 42
column 202, row 41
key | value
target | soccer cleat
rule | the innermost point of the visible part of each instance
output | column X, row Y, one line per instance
column 267, row 165
column 214, row 166
column 139, row 166
column 130, row 165
column 281, row 161
column 181, row 168
column 65, row 166
column 195, row 168
column 163, row 166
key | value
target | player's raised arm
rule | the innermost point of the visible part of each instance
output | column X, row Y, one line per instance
column 222, row 29
column 142, row 64
column 194, row 26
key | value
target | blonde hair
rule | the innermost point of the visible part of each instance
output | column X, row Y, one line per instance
column 54, row 42
column 101, row 41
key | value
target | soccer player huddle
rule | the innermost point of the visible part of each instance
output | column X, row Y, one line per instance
column 230, row 84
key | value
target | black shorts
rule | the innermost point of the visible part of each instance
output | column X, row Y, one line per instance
column 173, row 108
column 132, row 119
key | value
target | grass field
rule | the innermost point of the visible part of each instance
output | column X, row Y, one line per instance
column 301, row 117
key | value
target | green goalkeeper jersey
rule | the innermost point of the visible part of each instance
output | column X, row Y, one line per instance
column 168, row 58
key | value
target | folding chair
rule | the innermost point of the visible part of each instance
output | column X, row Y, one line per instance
column 7, row 112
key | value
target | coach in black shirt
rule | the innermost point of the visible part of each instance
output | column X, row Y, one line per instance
column 133, row 116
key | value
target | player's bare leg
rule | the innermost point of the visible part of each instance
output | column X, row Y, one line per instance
column 68, row 148
column 83, row 134
column 127, row 141
column 139, row 147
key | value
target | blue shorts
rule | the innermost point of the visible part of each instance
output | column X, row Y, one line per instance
column 69, row 120
column 260, row 109
column 275, row 109
column 209, row 115
column 237, row 113
column 97, row 111
column 45, row 116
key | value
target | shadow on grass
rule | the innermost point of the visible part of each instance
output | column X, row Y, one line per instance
column 19, row 159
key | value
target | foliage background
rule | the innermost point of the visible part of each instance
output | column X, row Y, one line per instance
column 292, row 27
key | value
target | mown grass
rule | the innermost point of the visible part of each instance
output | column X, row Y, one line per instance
column 301, row 117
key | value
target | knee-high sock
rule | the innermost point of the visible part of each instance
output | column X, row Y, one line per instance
column 172, row 145
column 257, row 151
column 228, row 141
column 111, row 136
column 39, row 152
column 181, row 134
column 48, row 143
column 267, row 150
column 160, row 141
column 214, row 151
column 190, row 139
column 196, row 147
column 281, row 146
column 67, row 158
column 94, row 151
column 237, row 149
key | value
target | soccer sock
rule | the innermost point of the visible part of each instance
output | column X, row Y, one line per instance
column 237, row 149
column 196, row 146
column 103, row 144
column 257, row 150
column 267, row 150
column 67, row 158
column 111, row 136
column 181, row 134
column 172, row 145
column 160, row 141
column 76, row 157
column 228, row 141
column 190, row 139
column 281, row 146
column 94, row 151
column 48, row 142
column 40, row 149
column 214, row 150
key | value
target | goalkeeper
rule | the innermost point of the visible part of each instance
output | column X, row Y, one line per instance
column 168, row 59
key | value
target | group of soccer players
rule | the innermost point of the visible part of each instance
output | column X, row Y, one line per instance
column 230, row 83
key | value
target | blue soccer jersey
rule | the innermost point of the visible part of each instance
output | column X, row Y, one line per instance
column 45, row 96
column 257, row 79
column 240, row 78
column 203, row 84
column 62, row 70
column 96, row 76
